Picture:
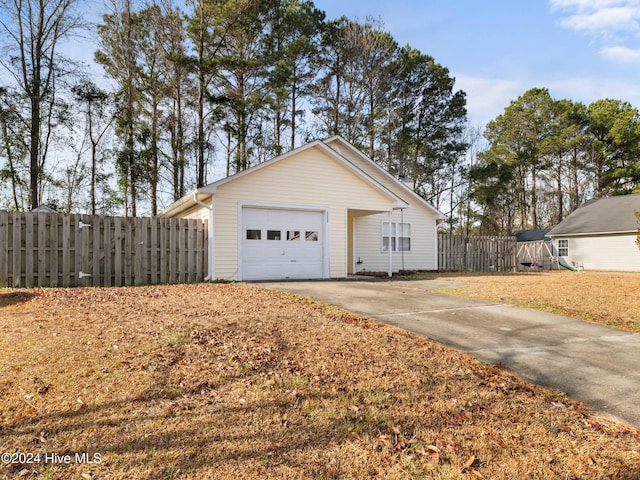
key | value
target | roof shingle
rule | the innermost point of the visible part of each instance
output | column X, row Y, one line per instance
column 604, row 215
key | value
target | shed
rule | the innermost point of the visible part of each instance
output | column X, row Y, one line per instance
column 600, row 235
column 323, row 210
column 43, row 209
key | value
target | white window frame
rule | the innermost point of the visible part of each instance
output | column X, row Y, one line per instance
column 396, row 229
column 563, row 247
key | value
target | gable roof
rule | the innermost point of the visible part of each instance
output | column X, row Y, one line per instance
column 360, row 165
column 347, row 150
column 602, row 216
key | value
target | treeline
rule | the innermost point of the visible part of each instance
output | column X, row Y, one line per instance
column 228, row 84
column 546, row 157
column 231, row 81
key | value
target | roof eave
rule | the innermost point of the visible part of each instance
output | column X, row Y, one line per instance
column 183, row 204
column 588, row 234
column 438, row 214
column 398, row 203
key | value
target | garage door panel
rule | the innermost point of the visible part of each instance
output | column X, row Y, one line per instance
column 282, row 244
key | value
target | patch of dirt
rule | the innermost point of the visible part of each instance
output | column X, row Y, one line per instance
column 236, row 381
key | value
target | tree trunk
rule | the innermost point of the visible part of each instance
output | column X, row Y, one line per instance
column 94, row 145
column 154, row 160
column 294, row 97
column 9, row 154
column 372, row 135
column 202, row 86
column 34, row 146
column 534, row 198
column 560, row 193
column 200, row 137
column 277, row 127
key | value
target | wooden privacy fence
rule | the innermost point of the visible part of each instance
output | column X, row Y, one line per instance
column 477, row 253
column 49, row 250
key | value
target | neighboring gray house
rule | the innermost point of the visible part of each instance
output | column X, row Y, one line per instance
column 600, row 235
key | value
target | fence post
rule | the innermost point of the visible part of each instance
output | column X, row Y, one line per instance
column 4, row 249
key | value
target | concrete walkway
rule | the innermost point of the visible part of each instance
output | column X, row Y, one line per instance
column 591, row 363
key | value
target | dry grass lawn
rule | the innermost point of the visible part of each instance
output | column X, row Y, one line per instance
column 607, row 298
column 235, row 381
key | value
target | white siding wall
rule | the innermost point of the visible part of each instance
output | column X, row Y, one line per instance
column 372, row 170
column 368, row 242
column 311, row 179
column 609, row 252
column 197, row 212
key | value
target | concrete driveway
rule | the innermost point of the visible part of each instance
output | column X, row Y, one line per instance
column 593, row 364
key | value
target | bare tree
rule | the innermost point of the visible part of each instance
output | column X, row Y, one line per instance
column 33, row 31
column 97, row 110
column 119, row 56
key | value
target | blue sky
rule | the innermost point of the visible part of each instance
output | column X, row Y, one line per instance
column 581, row 50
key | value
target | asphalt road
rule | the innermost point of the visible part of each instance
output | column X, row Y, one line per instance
column 597, row 365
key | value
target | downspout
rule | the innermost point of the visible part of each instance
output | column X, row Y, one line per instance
column 390, row 249
column 210, row 233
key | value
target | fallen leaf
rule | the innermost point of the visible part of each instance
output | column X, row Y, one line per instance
column 432, row 452
column 469, row 463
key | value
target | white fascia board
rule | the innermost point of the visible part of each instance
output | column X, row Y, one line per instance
column 180, row 205
column 593, row 234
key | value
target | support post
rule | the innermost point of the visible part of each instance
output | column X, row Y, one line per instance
column 210, row 240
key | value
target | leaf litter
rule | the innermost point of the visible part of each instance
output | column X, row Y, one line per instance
column 236, row 381
column 607, row 298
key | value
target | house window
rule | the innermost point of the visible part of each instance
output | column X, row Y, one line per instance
column 563, row 248
column 293, row 234
column 398, row 235
column 311, row 236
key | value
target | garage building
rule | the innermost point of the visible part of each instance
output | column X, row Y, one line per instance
column 323, row 210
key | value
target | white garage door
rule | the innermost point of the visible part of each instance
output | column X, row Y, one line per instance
column 282, row 244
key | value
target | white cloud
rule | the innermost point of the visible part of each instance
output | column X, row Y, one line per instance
column 605, row 21
column 613, row 24
column 591, row 88
column 599, row 16
column 621, row 54
column 487, row 97
column 590, row 5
